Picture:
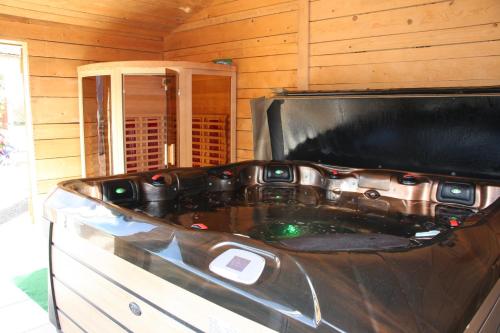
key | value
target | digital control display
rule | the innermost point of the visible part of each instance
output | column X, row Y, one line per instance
column 238, row 263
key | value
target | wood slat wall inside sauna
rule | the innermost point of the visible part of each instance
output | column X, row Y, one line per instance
column 352, row 44
column 55, row 51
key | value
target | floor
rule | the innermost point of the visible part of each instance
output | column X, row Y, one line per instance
column 18, row 313
column 23, row 249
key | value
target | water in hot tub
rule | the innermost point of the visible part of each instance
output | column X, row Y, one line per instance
column 274, row 213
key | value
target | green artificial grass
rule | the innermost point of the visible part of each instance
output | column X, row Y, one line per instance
column 35, row 286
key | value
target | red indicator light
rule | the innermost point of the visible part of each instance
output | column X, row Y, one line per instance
column 335, row 172
column 227, row 173
column 156, row 177
column 199, row 226
column 454, row 222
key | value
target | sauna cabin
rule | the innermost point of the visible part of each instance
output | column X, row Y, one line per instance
column 145, row 115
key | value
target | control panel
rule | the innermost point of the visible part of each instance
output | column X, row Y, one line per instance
column 460, row 193
column 238, row 265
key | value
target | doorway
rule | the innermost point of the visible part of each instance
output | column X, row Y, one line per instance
column 14, row 166
column 23, row 249
column 149, row 113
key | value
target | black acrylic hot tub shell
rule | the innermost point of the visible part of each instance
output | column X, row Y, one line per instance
column 434, row 288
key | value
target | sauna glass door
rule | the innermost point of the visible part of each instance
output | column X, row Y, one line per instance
column 96, row 102
column 148, row 127
column 211, row 124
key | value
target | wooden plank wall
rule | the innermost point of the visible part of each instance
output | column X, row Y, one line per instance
column 343, row 44
column 360, row 44
column 55, row 50
column 259, row 35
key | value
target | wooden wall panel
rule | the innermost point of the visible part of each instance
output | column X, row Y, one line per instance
column 42, row 86
column 261, row 38
column 55, row 148
column 55, row 51
column 405, row 43
column 143, row 94
column 53, row 67
column 327, row 9
column 45, row 186
column 54, row 110
column 22, row 28
column 56, row 131
column 268, row 45
column 350, row 44
column 225, row 8
column 61, row 167
column 86, row 52
column 399, row 20
column 266, row 25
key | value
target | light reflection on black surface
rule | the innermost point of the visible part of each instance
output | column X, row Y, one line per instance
column 274, row 213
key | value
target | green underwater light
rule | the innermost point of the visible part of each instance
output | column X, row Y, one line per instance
column 291, row 230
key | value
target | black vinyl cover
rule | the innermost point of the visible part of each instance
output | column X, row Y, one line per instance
column 432, row 132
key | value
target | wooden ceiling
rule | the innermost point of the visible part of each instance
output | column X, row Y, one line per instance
column 147, row 18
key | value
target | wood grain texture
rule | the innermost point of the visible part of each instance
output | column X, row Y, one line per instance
column 179, row 302
column 81, row 312
column 107, row 296
column 240, row 15
column 56, row 131
column 146, row 18
column 67, row 325
column 303, row 45
column 243, row 155
column 229, row 7
column 49, row 110
column 281, row 23
column 45, row 186
column 435, row 15
column 353, row 44
column 53, row 67
column 55, row 50
column 327, row 9
column 57, row 168
column 261, row 38
column 407, row 44
column 57, row 148
column 412, row 40
column 279, row 44
column 32, row 29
